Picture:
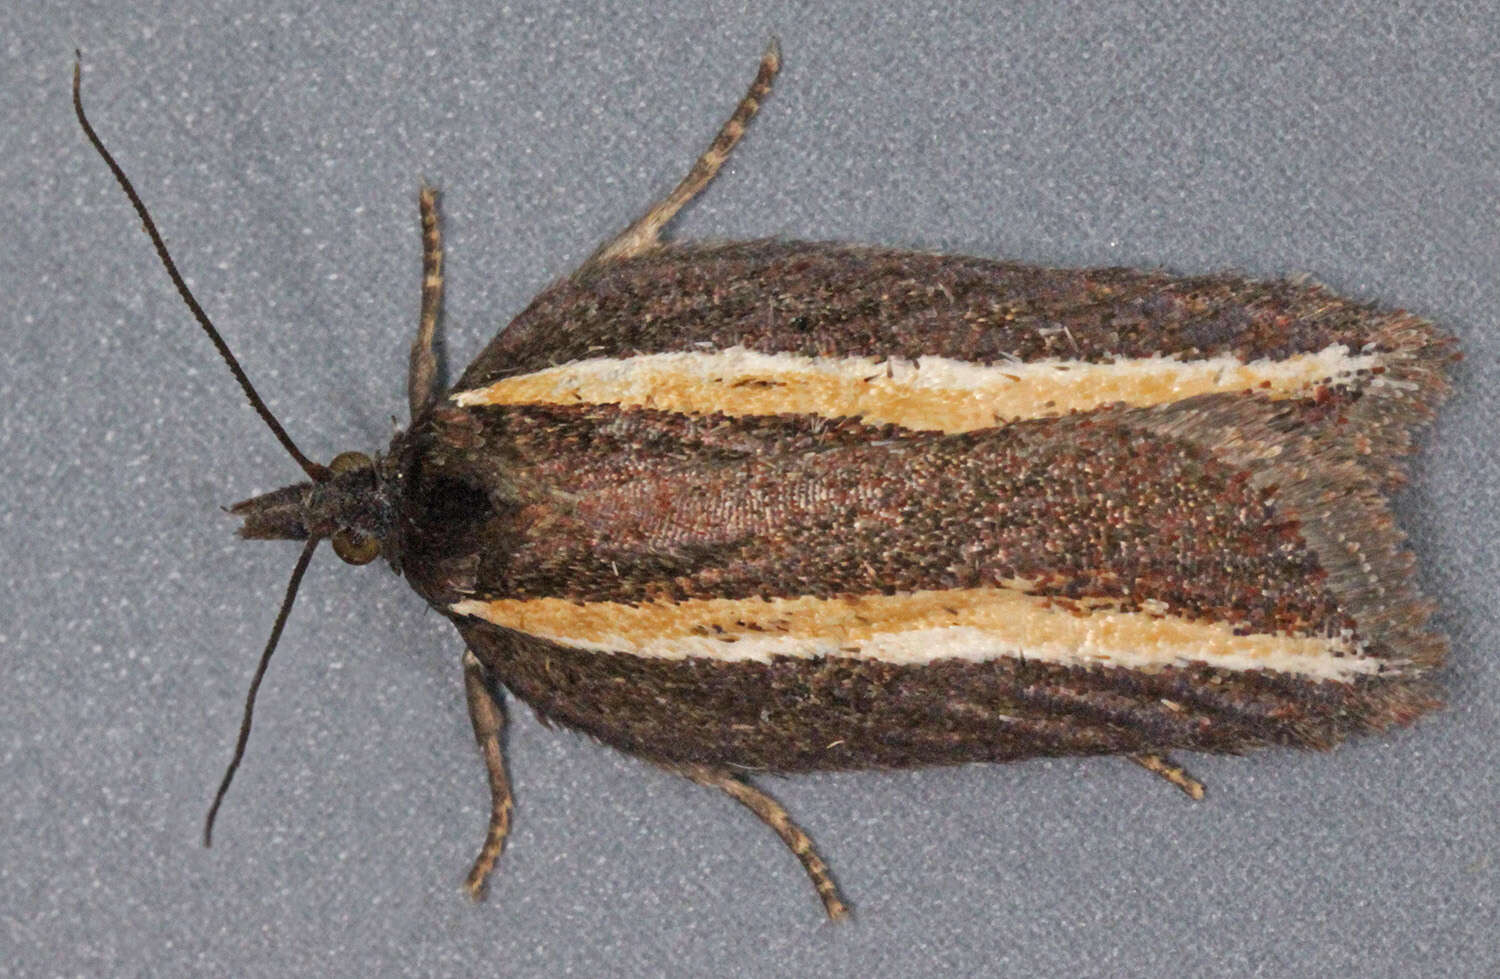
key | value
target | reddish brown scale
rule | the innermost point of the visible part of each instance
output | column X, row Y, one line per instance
column 666, row 506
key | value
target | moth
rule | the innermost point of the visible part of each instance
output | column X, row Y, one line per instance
column 775, row 507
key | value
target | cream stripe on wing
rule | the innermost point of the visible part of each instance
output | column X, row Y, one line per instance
column 932, row 393
column 911, row 628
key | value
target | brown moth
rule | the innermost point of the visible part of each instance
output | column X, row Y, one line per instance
column 780, row 507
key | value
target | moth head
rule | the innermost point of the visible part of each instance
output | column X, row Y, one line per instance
column 351, row 508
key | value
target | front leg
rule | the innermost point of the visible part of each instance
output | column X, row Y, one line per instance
column 488, row 718
column 421, row 376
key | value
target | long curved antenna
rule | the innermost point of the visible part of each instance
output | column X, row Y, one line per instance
column 317, row 472
column 260, row 674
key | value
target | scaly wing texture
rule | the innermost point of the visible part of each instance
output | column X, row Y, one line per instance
column 802, row 506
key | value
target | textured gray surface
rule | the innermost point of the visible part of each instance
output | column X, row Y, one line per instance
column 281, row 147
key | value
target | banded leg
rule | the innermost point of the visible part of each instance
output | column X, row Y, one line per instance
column 421, row 376
column 644, row 233
column 488, row 719
column 1171, row 771
column 774, row 815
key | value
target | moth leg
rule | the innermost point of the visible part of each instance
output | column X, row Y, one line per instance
column 488, row 719
column 644, row 233
column 421, row 376
column 1171, row 771
column 774, row 815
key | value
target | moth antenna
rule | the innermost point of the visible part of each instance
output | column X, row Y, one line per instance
column 260, row 674
column 317, row 472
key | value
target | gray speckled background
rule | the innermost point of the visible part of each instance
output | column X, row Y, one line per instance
column 280, row 146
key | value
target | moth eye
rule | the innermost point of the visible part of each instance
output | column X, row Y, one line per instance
column 345, row 461
column 353, row 547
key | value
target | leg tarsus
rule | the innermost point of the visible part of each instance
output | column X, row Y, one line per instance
column 774, row 815
column 644, row 233
column 421, row 377
column 488, row 718
column 1171, row 771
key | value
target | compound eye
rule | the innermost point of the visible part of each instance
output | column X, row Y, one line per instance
column 352, row 547
column 345, row 461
